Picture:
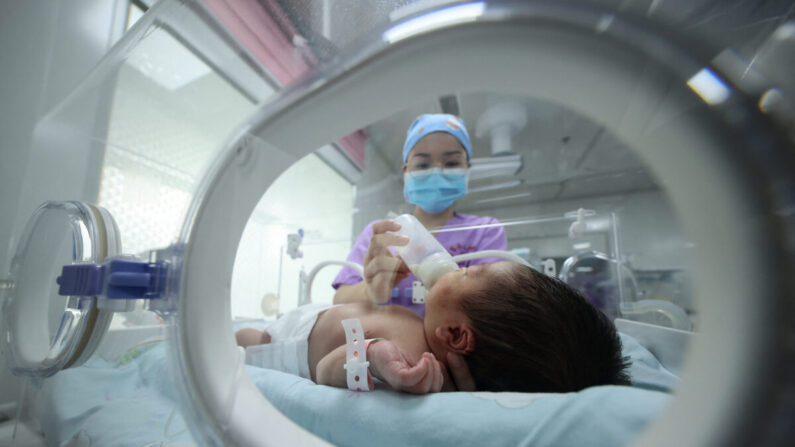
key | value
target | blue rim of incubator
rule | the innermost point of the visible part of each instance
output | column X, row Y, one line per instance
column 43, row 332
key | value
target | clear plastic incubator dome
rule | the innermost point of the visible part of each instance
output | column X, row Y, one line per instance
column 228, row 162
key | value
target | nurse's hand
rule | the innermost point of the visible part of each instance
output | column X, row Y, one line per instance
column 382, row 269
column 460, row 372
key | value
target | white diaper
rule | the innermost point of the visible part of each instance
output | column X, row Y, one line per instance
column 288, row 350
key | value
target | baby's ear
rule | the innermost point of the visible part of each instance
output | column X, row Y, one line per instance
column 459, row 339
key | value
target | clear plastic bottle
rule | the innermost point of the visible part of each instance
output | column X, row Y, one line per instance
column 424, row 255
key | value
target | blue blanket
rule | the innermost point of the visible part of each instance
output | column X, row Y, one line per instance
column 132, row 403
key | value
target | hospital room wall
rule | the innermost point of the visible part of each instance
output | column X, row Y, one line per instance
column 46, row 48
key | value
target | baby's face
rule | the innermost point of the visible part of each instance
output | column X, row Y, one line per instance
column 451, row 287
column 446, row 292
column 443, row 304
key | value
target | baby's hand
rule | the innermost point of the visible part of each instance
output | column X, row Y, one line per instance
column 389, row 364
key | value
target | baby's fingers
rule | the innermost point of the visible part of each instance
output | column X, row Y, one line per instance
column 431, row 380
column 438, row 377
column 434, row 380
column 411, row 378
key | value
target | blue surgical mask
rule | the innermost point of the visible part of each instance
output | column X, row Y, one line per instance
column 435, row 190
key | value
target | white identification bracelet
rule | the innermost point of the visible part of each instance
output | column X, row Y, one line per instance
column 356, row 355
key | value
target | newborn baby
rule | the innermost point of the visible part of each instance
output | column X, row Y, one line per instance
column 516, row 329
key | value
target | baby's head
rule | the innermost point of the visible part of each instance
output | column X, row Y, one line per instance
column 520, row 330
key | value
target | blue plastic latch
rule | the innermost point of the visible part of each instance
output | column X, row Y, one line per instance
column 116, row 279
column 135, row 279
column 81, row 280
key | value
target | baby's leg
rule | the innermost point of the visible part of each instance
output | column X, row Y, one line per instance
column 251, row 337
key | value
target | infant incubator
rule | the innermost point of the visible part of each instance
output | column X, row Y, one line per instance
column 233, row 151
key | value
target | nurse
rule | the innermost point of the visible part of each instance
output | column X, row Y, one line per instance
column 436, row 161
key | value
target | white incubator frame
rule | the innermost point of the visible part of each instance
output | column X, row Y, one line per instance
column 395, row 71
column 732, row 370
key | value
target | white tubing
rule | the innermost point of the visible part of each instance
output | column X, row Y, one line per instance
column 508, row 256
column 307, row 298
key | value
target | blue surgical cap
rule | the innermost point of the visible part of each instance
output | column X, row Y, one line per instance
column 436, row 122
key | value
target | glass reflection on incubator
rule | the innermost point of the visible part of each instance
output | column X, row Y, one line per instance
column 596, row 276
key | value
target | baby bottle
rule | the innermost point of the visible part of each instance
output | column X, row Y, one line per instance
column 424, row 255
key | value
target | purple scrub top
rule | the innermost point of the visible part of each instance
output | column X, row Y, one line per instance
column 456, row 242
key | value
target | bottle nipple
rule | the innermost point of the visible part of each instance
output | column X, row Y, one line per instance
column 432, row 268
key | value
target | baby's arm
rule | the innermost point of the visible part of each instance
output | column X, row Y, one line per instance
column 389, row 365
column 330, row 370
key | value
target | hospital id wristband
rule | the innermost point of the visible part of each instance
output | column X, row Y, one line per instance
column 356, row 364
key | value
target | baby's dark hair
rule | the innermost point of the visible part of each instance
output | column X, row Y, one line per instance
column 534, row 333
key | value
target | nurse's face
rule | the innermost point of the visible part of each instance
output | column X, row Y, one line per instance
column 436, row 150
